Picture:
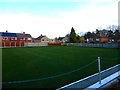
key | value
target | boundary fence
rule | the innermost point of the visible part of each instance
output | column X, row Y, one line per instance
column 36, row 44
column 42, row 44
column 32, row 44
column 105, row 45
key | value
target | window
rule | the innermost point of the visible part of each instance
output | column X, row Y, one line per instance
column 42, row 39
column 112, row 40
column 14, row 38
column 22, row 38
column 5, row 38
column 29, row 39
column 97, row 39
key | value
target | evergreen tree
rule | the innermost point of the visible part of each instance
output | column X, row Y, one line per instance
column 77, row 39
column 72, row 36
column 116, row 35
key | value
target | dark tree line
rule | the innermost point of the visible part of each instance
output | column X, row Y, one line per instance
column 104, row 33
column 75, row 38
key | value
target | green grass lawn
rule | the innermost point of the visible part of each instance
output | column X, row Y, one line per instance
column 40, row 62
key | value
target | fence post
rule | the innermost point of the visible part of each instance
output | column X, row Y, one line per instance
column 99, row 69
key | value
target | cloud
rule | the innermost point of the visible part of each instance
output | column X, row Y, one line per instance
column 91, row 17
column 35, row 25
column 83, row 19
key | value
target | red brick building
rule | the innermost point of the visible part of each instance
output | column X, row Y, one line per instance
column 14, row 39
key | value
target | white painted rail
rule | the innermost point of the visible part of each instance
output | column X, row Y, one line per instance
column 108, row 79
column 94, row 79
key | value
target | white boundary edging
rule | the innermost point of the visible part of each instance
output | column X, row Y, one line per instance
column 104, row 81
column 68, row 86
column 30, row 44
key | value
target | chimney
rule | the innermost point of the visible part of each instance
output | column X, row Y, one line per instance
column 23, row 32
column 6, row 31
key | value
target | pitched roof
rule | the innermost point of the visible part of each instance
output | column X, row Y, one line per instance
column 40, row 37
column 6, row 34
column 28, row 35
column 60, row 38
column 19, row 35
column 0, row 33
column 22, row 35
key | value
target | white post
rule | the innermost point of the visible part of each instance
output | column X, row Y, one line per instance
column 99, row 69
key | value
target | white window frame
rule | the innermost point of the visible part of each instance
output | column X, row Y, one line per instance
column 5, row 38
column 29, row 38
column 13, row 38
column 97, row 39
column 22, row 38
column 112, row 40
column 43, row 39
